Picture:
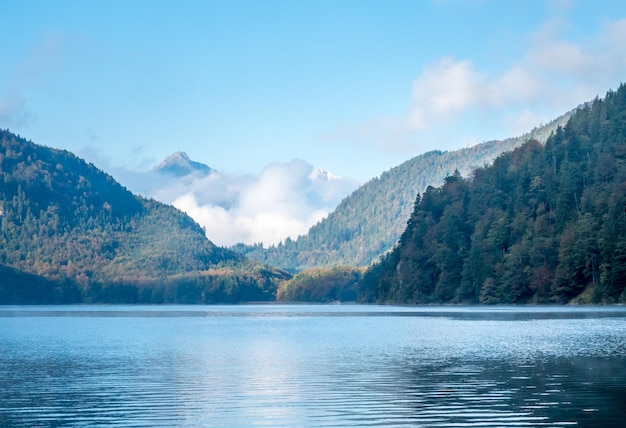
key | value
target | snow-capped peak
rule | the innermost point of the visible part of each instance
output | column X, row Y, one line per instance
column 179, row 164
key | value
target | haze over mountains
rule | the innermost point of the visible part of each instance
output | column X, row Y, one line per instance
column 284, row 215
column 297, row 216
column 369, row 221
column 284, row 199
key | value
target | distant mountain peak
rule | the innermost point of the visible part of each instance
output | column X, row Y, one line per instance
column 322, row 174
column 179, row 164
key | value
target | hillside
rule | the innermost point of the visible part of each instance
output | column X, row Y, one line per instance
column 322, row 285
column 369, row 221
column 543, row 224
column 67, row 226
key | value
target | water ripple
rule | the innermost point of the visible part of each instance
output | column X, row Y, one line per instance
column 311, row 371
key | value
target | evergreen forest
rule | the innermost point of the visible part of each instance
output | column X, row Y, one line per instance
column 543, row 224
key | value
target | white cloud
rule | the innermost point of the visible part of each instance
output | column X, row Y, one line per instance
column 443, row 90
column 562, row 57
column 228, row 227
column 450, row 88
column 553, row 75
column 284, row 200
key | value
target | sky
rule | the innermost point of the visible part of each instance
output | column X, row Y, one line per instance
column 251, row 87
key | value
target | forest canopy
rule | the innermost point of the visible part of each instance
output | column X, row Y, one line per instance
column 544, row 223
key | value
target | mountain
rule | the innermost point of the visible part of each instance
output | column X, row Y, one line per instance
column 543, row 224
column 73, row 233
column 179, row 164
column 369, row 221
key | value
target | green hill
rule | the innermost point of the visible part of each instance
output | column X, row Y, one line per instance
column 72, row 232
column 369, row 222
column 545, row 223
column 334, row 284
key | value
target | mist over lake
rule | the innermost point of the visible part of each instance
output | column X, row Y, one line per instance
column 312, row 365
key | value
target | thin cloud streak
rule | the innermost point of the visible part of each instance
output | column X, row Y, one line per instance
column 42, row 58
column 13, row 111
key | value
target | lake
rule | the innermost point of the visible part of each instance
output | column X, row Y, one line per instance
column 312, row 366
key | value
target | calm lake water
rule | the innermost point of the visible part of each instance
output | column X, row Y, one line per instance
column 312, row 366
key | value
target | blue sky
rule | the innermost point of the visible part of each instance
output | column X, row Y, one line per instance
column 350, row 86
column 353, row 86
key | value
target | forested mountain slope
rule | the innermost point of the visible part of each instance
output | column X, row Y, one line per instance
column 73, row 233
column 543, row 224
column 369, row 222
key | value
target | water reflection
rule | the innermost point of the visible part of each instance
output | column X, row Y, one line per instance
column 312, row 366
